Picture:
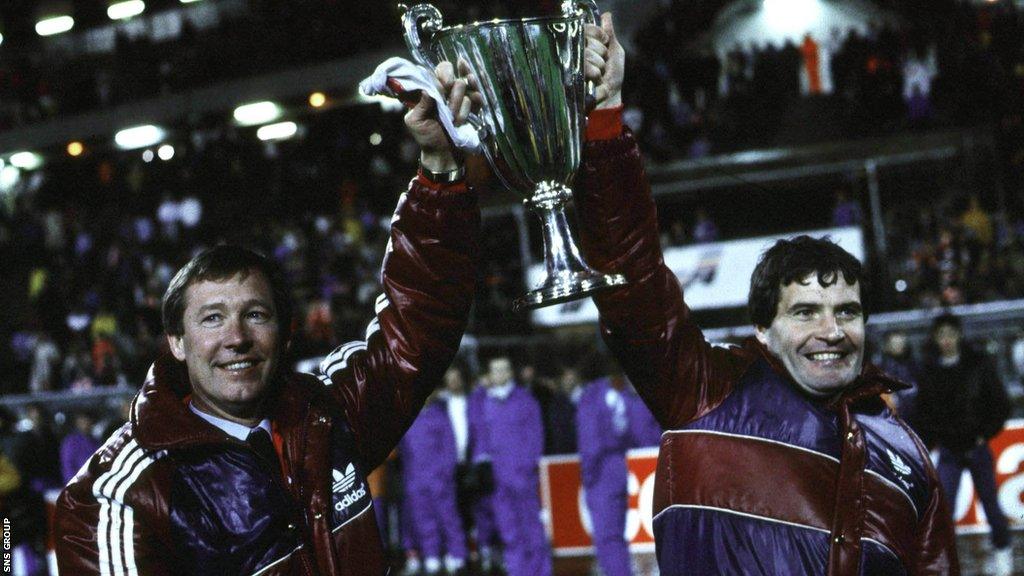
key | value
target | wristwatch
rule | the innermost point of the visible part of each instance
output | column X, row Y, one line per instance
column 444, row 177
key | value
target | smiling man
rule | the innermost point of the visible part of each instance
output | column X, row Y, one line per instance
column 780, row 456
column 229, row 337
column 233, row 465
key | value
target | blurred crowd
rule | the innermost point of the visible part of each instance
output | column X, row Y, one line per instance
column 39, row 452
column 90, row 243
column 946, row 64
column 42, row 79
column 955, row 251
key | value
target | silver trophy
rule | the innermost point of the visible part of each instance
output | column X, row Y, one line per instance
column 530, row 73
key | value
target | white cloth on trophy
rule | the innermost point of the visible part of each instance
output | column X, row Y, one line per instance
column 396, row 77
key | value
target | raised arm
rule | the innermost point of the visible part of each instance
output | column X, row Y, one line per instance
column 646, row 324
column 428, row 278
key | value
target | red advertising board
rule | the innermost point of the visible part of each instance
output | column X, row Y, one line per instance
column 569, row 522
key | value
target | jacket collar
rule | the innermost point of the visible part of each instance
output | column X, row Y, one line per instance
column 161, row 419
column 871, row 383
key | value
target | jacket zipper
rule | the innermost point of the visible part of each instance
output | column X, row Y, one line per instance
column 303, row 515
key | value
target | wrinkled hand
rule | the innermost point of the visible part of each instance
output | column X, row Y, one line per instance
column 605, row 62
column 437, row 153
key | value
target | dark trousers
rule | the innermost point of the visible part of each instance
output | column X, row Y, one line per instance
column 979, row 461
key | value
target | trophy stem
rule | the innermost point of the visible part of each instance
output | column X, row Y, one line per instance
column 568, row 276
column 561, row 256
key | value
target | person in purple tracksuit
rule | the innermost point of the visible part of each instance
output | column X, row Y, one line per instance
column 509, row 432
column 77, row 447
column 603, row 434
column 428, row 460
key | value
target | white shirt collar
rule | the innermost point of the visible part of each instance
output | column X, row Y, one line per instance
column 234, row 429
column 501, row 392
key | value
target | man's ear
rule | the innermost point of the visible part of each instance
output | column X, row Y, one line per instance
column 177, row 345
column 761, row 332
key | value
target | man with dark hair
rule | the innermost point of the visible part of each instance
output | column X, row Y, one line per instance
column 222, row 263
column 231, row 464
column 961, row 405
column 779, row 457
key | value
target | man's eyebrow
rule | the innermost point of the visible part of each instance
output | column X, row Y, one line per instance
column 258, row 302
column 220, row 305
column 211, row 306
column 796, row 305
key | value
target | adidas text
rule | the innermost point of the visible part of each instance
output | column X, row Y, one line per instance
column 350, row 498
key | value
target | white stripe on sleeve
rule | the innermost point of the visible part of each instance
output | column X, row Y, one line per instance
column 339, row 358
column 115, row 532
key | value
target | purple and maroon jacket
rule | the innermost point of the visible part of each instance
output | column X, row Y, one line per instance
column 171, row 494
column 753, row 477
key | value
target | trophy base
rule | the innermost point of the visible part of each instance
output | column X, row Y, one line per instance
column 579, row 285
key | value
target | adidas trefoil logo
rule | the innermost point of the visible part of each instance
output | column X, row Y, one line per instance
column 343, row 483
column 900, row 467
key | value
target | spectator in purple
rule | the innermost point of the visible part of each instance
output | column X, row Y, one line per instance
column 846, row 211
column 513, row 438
column 429, row 458
column 603, row 432
column 77, row 446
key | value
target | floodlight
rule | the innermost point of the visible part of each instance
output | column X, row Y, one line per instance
column 791, row 16
column 279, row 131
column 165, row 152
column 139, row 136
column 257, row 113
column 123, row 10
column 26, row 160
column 54, row 25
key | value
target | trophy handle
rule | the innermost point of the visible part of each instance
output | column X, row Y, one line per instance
column 571, row 8
column 411, row 19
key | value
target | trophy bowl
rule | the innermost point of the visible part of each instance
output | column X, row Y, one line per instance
column 530, row 74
